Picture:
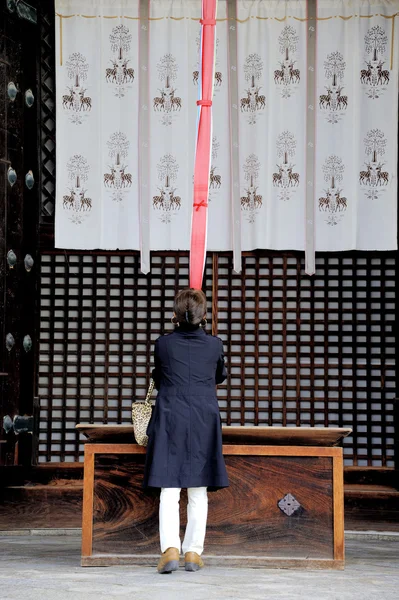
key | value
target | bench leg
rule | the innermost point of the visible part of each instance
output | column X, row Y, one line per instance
column 338, row 507
column 88, row 495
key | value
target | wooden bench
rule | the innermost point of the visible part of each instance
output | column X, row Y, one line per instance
column 284, row 506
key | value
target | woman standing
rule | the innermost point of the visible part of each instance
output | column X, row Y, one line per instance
column 185, row 435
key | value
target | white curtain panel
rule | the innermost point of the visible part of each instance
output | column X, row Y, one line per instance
column 305, row 125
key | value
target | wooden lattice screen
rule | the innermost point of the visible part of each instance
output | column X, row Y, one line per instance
column 300, row 351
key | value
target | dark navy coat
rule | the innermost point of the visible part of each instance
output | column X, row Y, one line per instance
column 185, row 432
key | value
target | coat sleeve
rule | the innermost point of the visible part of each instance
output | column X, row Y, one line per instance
column 221, row 373
column 156, row 372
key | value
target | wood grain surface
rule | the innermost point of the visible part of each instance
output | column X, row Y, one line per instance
column 278, row 436
column 244, row 519
column 259, row 562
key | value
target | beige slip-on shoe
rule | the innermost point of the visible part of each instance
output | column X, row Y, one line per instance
column 193, row 561
column 169, row 561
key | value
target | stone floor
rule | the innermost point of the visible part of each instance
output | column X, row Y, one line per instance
column 44, row 567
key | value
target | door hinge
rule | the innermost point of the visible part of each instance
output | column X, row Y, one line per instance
column 20, row 424
column 23, row 10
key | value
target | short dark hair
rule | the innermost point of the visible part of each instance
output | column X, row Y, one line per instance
column 190, row 306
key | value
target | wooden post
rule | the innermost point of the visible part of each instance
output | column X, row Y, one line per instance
column 396, row 438
column 215, row 277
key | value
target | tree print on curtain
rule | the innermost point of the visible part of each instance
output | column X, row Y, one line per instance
column 76, row 202
column 334, row 103
column 252, row 201
column 215, row 179
column 120, row 75
column 118, row 181
column 167, row 202
column 218, row 74
column 168, row 102
column 333, row 203
column 253, row 103
column 286, row 180
column 286, row 76
column 76, row 103
column 374, row 77
column 374, row 177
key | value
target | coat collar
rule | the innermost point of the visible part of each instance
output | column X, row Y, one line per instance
column 184, row 331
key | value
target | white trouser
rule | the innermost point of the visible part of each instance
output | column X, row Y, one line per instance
column 169, row 519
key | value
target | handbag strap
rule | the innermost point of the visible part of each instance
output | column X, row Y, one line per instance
column 149, row 392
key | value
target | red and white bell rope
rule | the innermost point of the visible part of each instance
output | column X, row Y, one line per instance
column 203, row 148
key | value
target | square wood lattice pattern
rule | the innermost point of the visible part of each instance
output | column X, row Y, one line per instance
column 300, row 351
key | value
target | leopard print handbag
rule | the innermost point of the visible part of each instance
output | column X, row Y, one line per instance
column 141, row 415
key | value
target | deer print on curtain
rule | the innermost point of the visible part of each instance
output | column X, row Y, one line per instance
column 287, row 76
column 120, row 75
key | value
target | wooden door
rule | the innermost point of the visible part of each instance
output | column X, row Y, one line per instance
column 18, row 226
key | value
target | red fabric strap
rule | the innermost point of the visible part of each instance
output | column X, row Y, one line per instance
column 200, row 187
column 197, row 205
column 203, row 146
